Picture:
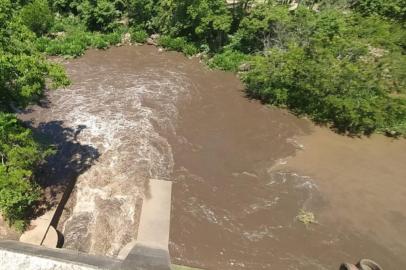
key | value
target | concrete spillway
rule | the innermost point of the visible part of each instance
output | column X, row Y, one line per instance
column 149, row 252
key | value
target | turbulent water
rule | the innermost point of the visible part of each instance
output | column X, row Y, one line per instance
column 133, row 113
column 119, row 113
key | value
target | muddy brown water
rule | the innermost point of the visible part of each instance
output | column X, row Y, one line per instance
column 241, row 171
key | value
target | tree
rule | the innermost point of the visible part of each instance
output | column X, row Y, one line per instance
column 392, row 9
column 99, row 15
column 37, row 16
column 141, row 12
column 19, row 154
column 198, row 20
column 337, row 68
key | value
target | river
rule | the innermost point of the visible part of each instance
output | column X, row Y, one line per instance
column 241, row 171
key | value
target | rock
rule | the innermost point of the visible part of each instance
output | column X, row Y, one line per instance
column 124, row 21
column 316, row 7
column 293, row 6
column 150, row 41
column 126, row 39
column 244, row 67
column 155, row 37
column 160, row 50
column 58, row 34
column 200, row 55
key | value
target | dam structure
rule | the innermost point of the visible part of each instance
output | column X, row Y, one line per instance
column 148, row 252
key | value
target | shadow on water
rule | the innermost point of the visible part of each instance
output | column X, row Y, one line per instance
column 61, row 170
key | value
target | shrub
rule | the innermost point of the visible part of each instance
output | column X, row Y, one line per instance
column 393, row 9
column 201, row 21
column 114, row 37
column 99, row 15
column 19, row 155
column 141, row 12
column 76, row 39
column 337, row 67
column 65, row 6
column 346, row 93
column 178, row 44
column 24, row 74
column 72, row 44
column 37, row 16
column 228, row 60
column 138, row 35
column 98, row 41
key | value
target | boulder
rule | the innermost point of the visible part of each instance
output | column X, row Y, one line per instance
column 155, row 37
column 150, row 41
column 58, row 34
column 126, row 39
column 244, row 67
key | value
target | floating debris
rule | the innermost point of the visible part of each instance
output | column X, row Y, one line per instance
column 306, row 217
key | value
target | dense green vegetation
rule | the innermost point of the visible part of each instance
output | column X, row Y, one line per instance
column 338, row 62
column 20, row 154
column 24, row 73
column 335, row 67
column 70, row 38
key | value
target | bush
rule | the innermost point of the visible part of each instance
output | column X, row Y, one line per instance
column 346, row 93
column 100, row 15
column 24, row 74
column 37, row 16
column 75, row 39
column 114, row 37
column 392, row 9
column 20, row 154
column 337, row 67
column 25, row 77
column 178, row 44
column 200, row 21
column 141, row 12
column 138, row 35
column 65, row 6
column 98, row 41
column 228, row 60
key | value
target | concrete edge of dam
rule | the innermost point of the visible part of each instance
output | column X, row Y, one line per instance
column 149, row 252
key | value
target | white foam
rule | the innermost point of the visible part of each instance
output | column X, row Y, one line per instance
column 121, row 123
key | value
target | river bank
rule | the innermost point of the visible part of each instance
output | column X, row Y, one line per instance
column 241, row 171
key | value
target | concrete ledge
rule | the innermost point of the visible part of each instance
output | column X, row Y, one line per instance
column 42, row 233
column 150, row 251
column 156, row 214
column 28, row 256
column 147, row 257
